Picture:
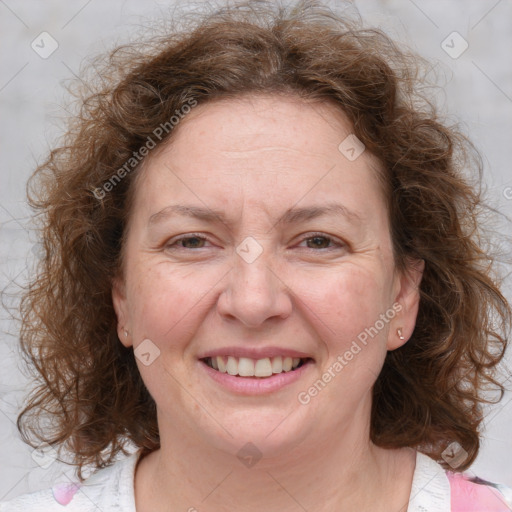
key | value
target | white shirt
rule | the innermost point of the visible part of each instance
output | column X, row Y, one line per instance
column 111, row 489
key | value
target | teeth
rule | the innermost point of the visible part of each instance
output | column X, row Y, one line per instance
column 246, row 367
column 232, row 366
column 220, row 363
column 277, row 364
column 263, row 368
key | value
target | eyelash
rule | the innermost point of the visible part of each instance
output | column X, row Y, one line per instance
column 311, row 236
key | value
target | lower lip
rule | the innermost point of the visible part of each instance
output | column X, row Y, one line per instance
column 256, row 385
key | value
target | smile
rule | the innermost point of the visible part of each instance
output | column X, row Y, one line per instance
column 247, row 367
column 251, row 377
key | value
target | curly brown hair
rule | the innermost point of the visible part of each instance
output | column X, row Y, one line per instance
column 89, row 391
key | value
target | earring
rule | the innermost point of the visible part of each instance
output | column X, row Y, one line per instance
column 125, row 333
column 400, row 335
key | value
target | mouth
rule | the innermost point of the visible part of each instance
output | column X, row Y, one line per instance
column 264, row 368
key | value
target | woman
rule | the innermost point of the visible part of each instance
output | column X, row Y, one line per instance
column 262, row 271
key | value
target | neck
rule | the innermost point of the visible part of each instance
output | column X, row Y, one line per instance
column 350, row 473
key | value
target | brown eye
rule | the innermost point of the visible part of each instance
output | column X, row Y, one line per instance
column 318, row 242
column 321, row 243
column 193, row 242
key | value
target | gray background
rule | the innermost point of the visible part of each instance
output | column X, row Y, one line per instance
column 477, row 92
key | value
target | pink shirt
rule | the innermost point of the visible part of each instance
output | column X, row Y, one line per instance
column 467, row 496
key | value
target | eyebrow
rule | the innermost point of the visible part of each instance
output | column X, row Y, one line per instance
column 293, row 215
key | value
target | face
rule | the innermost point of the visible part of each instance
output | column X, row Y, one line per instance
column 253, row 238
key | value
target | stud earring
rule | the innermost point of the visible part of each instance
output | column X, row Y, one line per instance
column 400, row 335
column 125, row 333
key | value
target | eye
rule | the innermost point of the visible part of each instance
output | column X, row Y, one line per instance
column 316, row 241
column 320, row 241
column 190, row 241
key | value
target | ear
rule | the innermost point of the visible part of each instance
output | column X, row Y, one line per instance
column 121, row 308
column 407, row 298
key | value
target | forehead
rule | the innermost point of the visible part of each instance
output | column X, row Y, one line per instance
column 271, row 150
column 235, row 127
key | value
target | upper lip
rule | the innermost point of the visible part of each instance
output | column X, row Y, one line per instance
column 254, row 353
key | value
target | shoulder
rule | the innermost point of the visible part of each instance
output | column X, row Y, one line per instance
column 436, row 490
column 472, row 494
column 110, row 488
column 33, row 502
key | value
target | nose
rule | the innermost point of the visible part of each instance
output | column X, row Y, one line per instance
column 254, row 293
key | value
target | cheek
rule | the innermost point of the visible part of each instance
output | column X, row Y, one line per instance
column 358, row 349
column 164, row 299
column 346, row 302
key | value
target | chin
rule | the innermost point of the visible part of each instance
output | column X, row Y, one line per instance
column 258, row 434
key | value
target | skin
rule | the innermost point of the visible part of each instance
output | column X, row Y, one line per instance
column 253, row 158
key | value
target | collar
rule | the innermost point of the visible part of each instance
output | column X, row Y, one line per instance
column 430, row 491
